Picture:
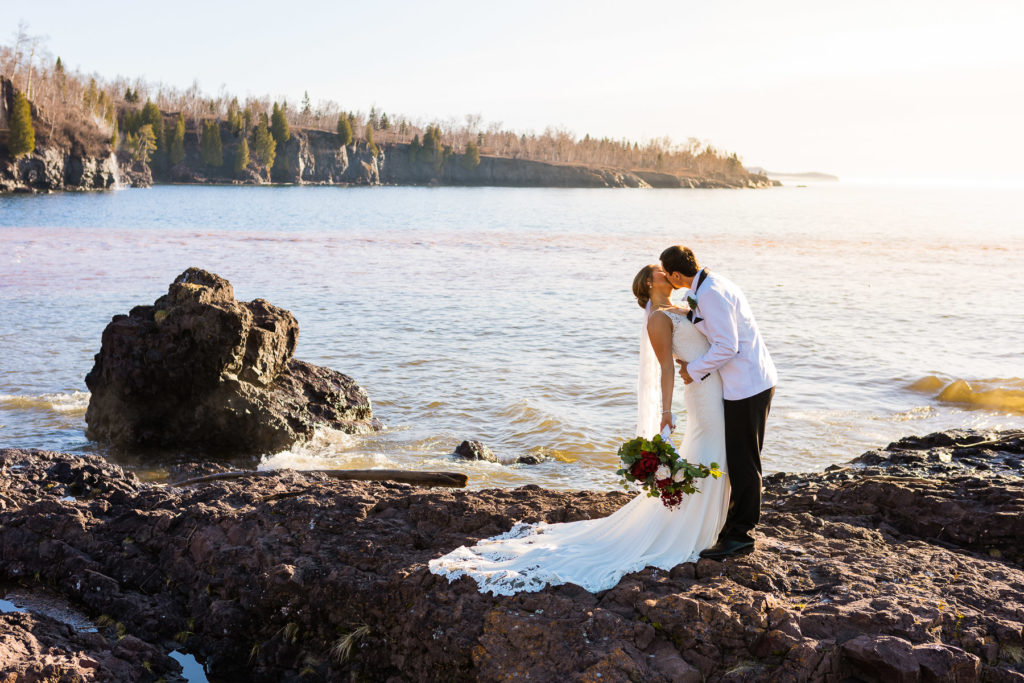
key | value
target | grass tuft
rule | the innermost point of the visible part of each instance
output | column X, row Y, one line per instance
column 342, row 648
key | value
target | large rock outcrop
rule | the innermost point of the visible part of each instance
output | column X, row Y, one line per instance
column 75, row 157
column 904, row 566
column 200, row 370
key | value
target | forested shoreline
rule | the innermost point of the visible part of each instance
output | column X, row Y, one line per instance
column 158, row 133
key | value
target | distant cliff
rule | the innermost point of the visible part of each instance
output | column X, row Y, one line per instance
column 78, row 156
column 70, row 157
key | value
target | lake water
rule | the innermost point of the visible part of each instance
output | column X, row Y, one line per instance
column 505, row 315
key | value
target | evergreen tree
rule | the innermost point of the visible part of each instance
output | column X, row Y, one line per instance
column 234, row 117
column 241, row 157
column 306, row 108
column 471, row 158
column 263, row 144
column 246, row 121
column 373, row 117
column 177, row 143
column 279, row 125
column 370, row 144
column 22, row 137
column 344, row 130
column 144, row 144
column 210, row 149
column 59, row 66
column 384, row 122
column 151, row 116
column 414, row 148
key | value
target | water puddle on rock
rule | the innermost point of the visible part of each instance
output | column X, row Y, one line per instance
column 16, row 600
column 48, row 605
column 191, row 669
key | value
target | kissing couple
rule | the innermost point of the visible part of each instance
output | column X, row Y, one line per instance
column 729, row 381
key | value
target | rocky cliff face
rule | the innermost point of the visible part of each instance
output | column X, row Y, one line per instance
column 398, row 169
column 53, row 166
column 904, row 565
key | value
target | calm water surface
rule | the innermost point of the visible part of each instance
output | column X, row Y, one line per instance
column 505, row 314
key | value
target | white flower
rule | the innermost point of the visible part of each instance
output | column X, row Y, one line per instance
column 663, row 472
column 680, row 475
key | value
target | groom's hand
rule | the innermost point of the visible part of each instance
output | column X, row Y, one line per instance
column 683, row 373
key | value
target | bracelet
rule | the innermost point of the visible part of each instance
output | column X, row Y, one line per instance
column 666, row 411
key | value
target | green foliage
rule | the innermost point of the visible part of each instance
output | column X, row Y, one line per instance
column 307, row 109
column 344, row 130
column 151, row 115
column 210, row 149
column 471, row 157
column 643, row 458
column 279, row 125
column 177, row 142
column 59, row 66
column 143, row 144
column 22, row 138
column 370, row 144
column 131, row 96
column 373, row 118
column 91, row 96
column 384, row 122
column 241, row 157
column 432, row 151
column 263, row 145
column 414, row 148
column 131, row 121
column 432, row 140
column 234, row 118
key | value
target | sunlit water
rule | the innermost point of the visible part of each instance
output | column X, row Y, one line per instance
column 505, row 314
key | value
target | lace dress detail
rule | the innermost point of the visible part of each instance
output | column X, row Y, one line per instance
column 597, row 553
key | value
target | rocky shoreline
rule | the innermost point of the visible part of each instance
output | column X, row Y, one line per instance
column 77, row 156
column 904, row 565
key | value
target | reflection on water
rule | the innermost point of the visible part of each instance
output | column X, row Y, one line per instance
column 504, row 315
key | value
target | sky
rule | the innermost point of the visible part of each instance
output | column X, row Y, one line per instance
column 873, row 89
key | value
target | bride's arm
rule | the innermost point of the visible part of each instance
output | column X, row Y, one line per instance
column 659, row 329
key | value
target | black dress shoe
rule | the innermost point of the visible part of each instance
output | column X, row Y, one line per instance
column 727, row 547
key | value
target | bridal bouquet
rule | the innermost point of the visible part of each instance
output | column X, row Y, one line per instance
column 657, row 468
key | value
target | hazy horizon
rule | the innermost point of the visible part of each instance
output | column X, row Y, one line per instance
column 909, row 92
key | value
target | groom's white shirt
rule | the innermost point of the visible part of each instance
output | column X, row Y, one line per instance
column 737, row 349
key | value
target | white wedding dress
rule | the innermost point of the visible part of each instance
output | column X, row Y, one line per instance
column 597, row 553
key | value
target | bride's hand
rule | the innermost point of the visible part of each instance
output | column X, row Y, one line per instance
column 668, row 419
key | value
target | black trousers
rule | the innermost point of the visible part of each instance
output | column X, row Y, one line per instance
column 744, row 437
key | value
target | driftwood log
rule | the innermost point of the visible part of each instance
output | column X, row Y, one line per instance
column 449, row 479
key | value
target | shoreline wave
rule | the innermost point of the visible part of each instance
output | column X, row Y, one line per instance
column 1002, row 395
column 73, row 403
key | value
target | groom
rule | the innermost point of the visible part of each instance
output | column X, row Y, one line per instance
column 737, row 351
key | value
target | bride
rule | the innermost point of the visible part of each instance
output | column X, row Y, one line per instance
column 596, row 553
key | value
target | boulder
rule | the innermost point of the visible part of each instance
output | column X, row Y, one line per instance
column 475, row 450
column 200, row 370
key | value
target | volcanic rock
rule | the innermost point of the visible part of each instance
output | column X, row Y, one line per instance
column 475, row 450
column 200, row 370
column 34, row 647
column 908, row 569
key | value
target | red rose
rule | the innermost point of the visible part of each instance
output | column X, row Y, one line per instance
column 646, row 466
column 662, row 483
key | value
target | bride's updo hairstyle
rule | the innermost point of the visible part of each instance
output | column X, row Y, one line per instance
column 642, row 286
